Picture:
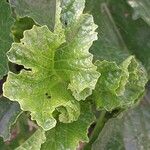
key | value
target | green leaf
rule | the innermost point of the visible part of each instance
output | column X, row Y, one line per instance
column 9, row 112
column 42, row 11
column 19, row 26
column 141, row 9
column 56, row 63
column 5, row 41
column 67, row 136
column 110, row 45
column 34, row 142
column 136, row 33
column 132, row 131
column 71, row 10
column 119, row 86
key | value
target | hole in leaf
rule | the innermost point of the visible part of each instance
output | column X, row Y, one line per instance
column 48, row 96
column 15, row 68
column 66, row 23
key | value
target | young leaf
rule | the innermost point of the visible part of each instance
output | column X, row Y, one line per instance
column 141, row 9
column 132, row 131
column 5, row 41
column 67, row 136
column 34, row 142
column 9, row 111
column 119, row 86
column 56, row 62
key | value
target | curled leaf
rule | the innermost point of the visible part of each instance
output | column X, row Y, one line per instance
column 67, row 136
column 119, row 86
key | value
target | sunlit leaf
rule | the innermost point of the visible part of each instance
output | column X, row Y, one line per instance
column 67, row 136
column 57, row 64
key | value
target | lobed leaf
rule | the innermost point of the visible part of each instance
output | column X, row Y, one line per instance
column 67, row 136
column 5, row 40
column 56, row 63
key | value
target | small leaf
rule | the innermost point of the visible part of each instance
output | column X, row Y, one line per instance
column 141, row 9
column 56, row 63
column 5, row 41
column 67, row 136
column 119, row 86
column 9, row 112
column 132, row 131
column 34, row 142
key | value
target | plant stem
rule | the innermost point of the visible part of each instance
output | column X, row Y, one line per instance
column 99, row 126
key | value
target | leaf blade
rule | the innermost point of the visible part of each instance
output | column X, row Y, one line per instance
column 9, row 112
column 34, row 142
column 5, row 40
column 131, row 131
column 67, row 136
column 52, row 65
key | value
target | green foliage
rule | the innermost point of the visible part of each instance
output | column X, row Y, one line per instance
column 141, row 9
column 119, row 86
column 61, row 62
column 135, row 33
column 128, row 132
column 5, row 41
column 67, row 70
column 34, row 142
column 42, row 11
column 19, row 26
column 67, row 136
column 9, row 112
